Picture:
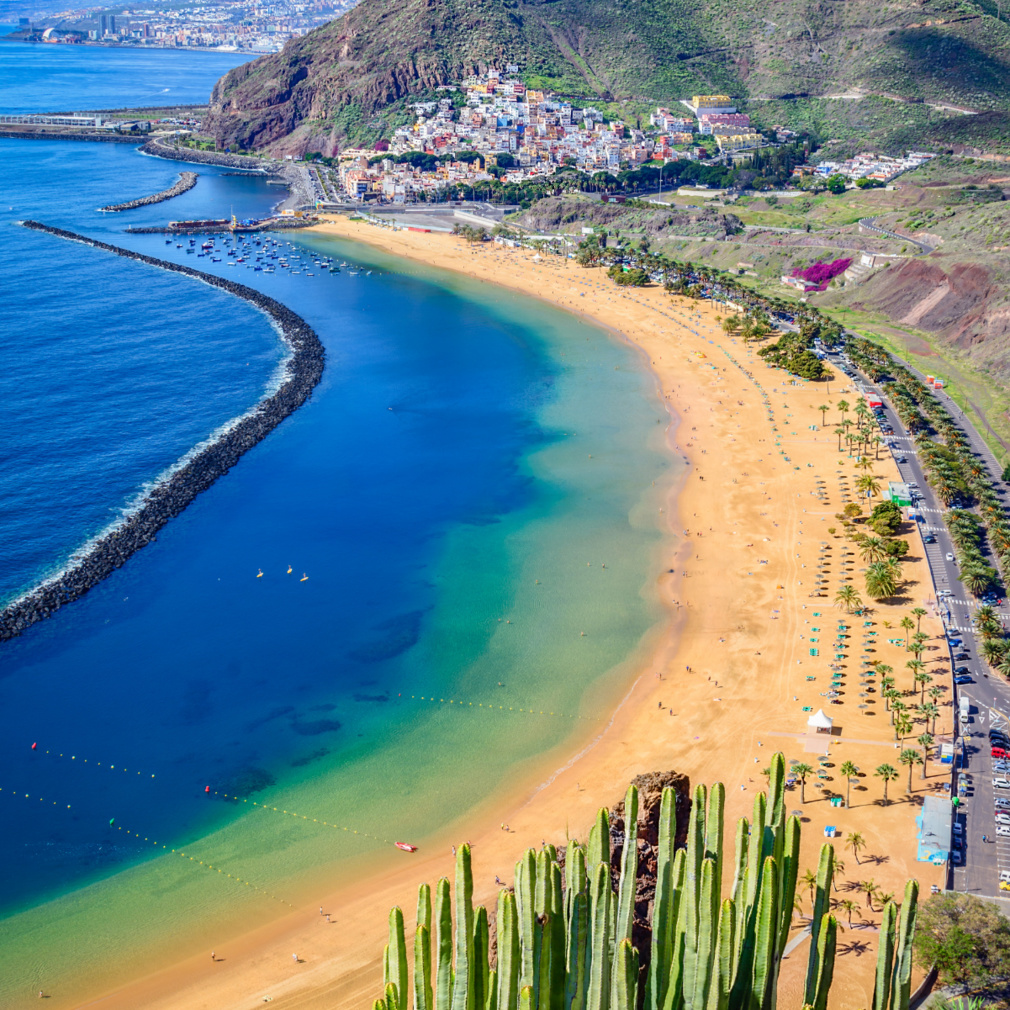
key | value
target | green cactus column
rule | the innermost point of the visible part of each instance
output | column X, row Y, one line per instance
column 443, row 945
column 463, row 983
column 423, row 995
column 397, row 972
column 508, row 952
column 822, row 899
column 885, row 958
column 625, row 977
column 663, row 913
column 599, row 940
column 901, row 984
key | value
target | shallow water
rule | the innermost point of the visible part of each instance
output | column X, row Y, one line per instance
column 451, row 491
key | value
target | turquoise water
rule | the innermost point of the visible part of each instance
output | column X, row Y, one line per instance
column 451, row 491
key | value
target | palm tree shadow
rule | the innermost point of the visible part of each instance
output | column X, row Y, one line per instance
column 877, row 860
column 857, row 947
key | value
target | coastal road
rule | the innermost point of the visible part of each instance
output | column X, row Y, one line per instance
column 988, row 693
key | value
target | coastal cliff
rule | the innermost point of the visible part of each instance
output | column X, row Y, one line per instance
column 350, row 81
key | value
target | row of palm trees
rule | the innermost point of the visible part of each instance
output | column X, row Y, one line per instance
column 951, row 469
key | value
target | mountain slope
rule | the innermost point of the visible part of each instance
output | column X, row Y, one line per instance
column 348, row 80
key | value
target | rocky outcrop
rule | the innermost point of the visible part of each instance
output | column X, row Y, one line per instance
column 195, row 473
column 159, row 149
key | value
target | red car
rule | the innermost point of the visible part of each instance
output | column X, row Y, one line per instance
column 998, row 752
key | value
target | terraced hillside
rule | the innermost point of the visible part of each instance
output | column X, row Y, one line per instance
column 350, row 79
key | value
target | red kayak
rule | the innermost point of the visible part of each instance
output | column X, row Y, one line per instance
column 406, row 846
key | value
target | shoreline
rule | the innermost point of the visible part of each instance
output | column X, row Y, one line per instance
column 174, row 490
column 711, row 727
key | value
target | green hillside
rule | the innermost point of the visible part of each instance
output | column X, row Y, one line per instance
column 350, row 79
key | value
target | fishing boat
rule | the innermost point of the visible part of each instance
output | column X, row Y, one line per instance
column 406, row 846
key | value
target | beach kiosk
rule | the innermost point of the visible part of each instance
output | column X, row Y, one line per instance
column 820, row 723
column 898, row 493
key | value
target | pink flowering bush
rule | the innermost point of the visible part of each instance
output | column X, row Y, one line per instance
column 821, row 273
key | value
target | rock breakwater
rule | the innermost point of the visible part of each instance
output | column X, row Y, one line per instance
column 195, row 472
column 187, row 180
column 162, row 150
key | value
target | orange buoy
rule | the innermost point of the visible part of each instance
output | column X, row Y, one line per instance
column 206, row 789
column 34, row 745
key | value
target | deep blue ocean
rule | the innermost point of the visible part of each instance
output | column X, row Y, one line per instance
column 437, row 485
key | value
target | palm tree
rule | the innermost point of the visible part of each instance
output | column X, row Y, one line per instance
column 848, row 597
column 839, row 432
column 881, row 581
column 909, row 756
column 935, row 692
column 923, row 678
column 824, row 408
column 976, row 578
column 838, row 871
column 986, row 621
column 918, row 613
column 931, row 712
column 902, row 727
column 1004, row 667
column 992, row 650
column 885, row 896
column 925, row 741
column 869, row 888
column 848, row 906
column 809, row 879
column 855, row 841
column 877, row 443
column 843, row 407
column 916, row 666
column 887, row 773
column 872, row 549
column 868, row 484
column 906, row 623
column 864, row 463
column 801, row 771
column 850, row 771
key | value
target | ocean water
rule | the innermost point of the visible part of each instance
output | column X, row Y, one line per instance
column 36, row 77
column 445, row 504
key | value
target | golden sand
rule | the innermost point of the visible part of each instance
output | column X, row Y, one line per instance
column 731, row 681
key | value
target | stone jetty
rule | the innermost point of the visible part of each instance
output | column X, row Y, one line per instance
column 160, row 149
column 194, row 474
column 187, row 180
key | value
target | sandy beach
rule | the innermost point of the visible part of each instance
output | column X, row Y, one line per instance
column 738, row 667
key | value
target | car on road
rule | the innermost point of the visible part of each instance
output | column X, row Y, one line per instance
column 901, row 459
column 1000, row 782
column 963, row 679
column 929, row 538
column 950, row 557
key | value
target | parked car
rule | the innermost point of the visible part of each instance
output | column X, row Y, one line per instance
column 999, row 752
column 1003, row 829
column 1002, row 817
column 962, row 655
column 1002, row 801
column 963, row 671
column 963, row 679
column 1000, row 782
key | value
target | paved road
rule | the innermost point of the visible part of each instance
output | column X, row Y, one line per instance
column 988, row 693
column 870, row 224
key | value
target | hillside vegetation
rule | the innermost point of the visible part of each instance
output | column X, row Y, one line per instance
column 349, row 80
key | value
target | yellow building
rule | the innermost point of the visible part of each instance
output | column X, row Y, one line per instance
column 702, row 101
column 739, row 141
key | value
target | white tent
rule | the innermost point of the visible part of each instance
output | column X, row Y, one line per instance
column 820, row 722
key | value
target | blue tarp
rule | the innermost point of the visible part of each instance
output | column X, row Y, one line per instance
column 934, row 830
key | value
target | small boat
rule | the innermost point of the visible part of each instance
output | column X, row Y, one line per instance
column 406, row 846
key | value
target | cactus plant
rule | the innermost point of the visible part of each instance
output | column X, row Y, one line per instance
column 563, row 938
column 885, row 958
column 901, row 984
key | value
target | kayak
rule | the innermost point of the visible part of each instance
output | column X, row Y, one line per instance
column 406, row 846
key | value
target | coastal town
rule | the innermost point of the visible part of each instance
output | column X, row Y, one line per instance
column 493, row 126
column 225, row 26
